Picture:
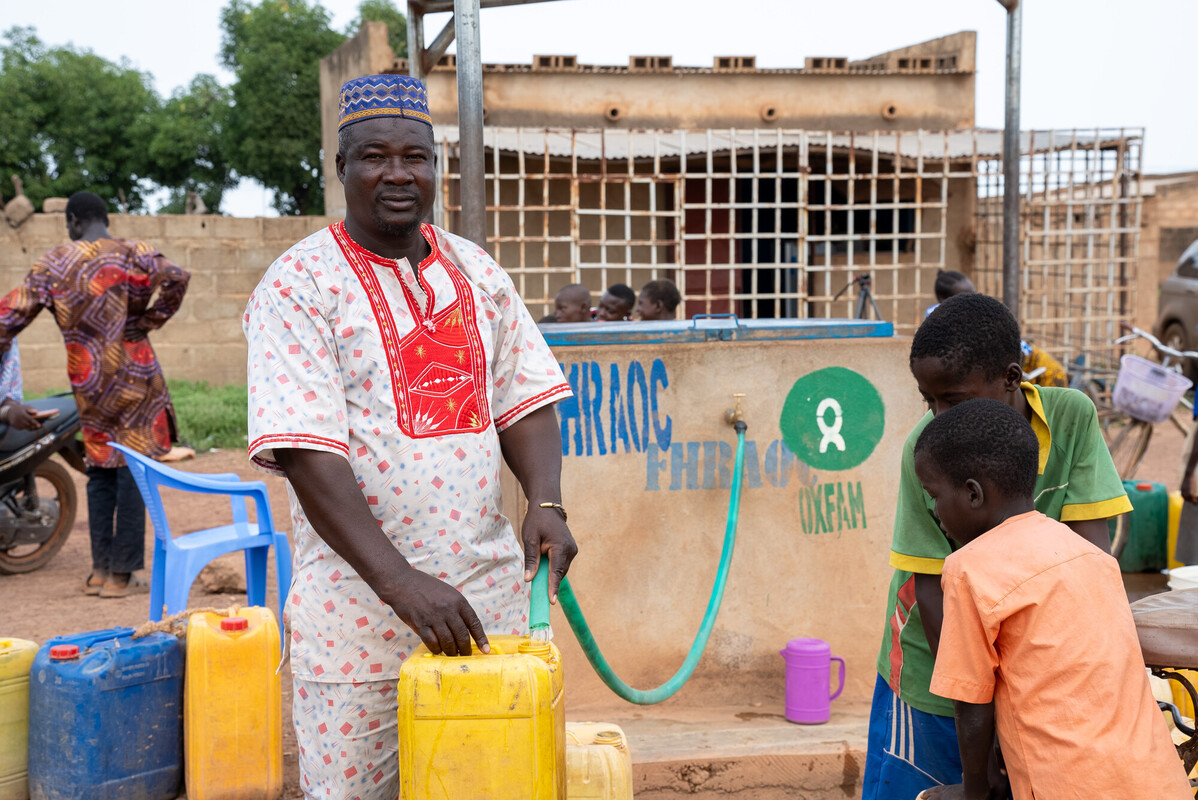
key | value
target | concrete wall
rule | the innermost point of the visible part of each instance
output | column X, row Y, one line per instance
column 225, row 255
column 682, row 97
column 696, row 100
column 649, row 516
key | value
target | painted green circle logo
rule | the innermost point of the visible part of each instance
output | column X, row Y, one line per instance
column 832, row 419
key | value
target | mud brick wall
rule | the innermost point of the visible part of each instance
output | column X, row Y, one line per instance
column 225, row 255
column 1168, row 225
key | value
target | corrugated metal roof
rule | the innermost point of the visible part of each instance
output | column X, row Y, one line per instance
column 618, row 144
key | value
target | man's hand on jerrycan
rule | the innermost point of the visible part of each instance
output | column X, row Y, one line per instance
column 439, row 614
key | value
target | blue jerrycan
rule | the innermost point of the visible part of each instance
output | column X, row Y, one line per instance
column 106, row 717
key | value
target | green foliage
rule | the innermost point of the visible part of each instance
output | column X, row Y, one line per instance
column 274, row 50
column 210, row 416
column 73, row 121
column 187, row 149
column 386, row 12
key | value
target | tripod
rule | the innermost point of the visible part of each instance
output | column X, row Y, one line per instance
column 863, row 296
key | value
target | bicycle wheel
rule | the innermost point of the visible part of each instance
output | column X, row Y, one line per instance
column 1128, row 446
column 1097, row 388
column 1119, row 540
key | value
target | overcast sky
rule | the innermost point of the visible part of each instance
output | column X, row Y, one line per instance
column 1086, row 63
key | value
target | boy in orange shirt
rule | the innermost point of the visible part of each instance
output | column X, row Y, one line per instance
column 1038, row 639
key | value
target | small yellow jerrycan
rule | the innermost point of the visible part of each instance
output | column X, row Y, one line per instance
column 1176, row 504
column 483, row 725
column 598, row 762
column 232, row 707
column 16, row 659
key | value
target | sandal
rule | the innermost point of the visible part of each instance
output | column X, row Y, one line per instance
column 94, row 582
column 131, row 584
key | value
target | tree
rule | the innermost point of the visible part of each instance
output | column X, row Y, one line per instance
column 73, row 121
column 274, row 50
column 384, row 11
column 188, row 149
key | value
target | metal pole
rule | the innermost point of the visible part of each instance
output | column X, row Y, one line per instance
column 1010, row 161
column 470, row 121
column 415, row 40
column 434, row 51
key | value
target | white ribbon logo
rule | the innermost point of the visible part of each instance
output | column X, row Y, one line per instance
column 831, row 432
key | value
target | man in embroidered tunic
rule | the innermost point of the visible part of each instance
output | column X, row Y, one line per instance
column 391, row 364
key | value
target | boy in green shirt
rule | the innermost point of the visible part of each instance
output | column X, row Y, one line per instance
column 968, row 347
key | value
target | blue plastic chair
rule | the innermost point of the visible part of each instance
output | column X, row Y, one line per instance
column 179, row 559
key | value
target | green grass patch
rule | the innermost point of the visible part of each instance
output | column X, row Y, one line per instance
column 210, row 416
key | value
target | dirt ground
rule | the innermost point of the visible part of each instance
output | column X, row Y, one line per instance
column 49, row 602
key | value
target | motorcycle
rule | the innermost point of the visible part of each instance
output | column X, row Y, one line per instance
column 37, row 495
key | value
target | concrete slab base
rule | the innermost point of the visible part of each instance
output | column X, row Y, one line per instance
column 739, row 752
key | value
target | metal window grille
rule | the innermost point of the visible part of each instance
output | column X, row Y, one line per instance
column 775, row 223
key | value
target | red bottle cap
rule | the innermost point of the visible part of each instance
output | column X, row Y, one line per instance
column 234, row 624
column 1143, row 487
column 64, row 652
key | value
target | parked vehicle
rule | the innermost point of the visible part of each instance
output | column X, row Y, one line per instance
column 1177, row 321
column 37, row 495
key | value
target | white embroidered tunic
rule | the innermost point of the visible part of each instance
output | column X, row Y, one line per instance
column 410, row 375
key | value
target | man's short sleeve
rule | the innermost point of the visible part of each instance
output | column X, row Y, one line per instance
column 1095, row 490
column 296, row 397
column 966, row 659
column 526, row 375
column 918, row 544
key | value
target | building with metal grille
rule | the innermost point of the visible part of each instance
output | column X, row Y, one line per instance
column 765, row 192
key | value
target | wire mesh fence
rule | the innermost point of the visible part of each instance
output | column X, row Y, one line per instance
column 778, row 223
column 1079, row 239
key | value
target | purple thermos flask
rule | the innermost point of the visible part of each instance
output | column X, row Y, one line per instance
column 808, row 679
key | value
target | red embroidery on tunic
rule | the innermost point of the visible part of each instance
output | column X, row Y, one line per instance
column 438, row 369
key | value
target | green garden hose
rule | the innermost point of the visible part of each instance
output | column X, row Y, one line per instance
column 539, row 609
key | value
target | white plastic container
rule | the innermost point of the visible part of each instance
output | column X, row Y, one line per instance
column 1146, row 390
column 598, row 762
column 1184, row 577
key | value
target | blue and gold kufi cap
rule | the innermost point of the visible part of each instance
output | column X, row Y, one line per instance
column 382, row 96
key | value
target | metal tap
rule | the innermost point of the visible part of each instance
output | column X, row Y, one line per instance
column 735, row 415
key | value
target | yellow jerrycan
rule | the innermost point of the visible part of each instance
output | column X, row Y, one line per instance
column 16, row 659
column 483, row 725
column 232, row 707
column 598, row 762
column 1176, row 503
